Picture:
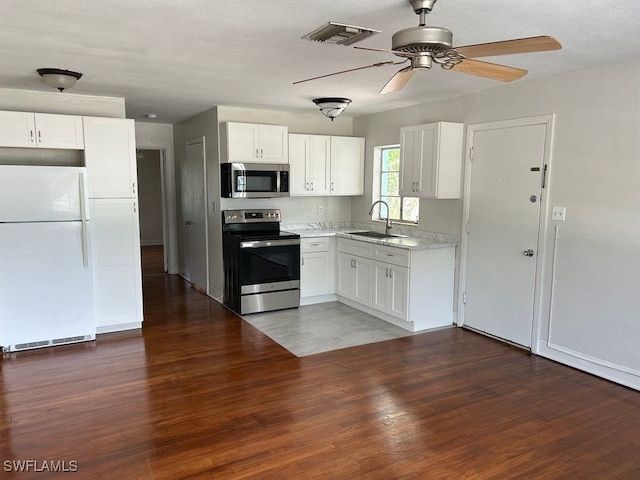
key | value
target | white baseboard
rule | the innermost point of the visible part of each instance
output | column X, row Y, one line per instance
column 318, row 299
column 120, row 327
column 579, row 361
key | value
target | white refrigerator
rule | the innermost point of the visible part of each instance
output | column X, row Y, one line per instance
column 46, row 285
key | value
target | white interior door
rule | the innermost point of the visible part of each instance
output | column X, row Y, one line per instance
column 194, row 228
column 503, row 221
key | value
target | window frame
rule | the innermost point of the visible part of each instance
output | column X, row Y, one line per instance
column 378, row 182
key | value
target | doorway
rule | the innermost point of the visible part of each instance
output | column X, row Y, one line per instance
column 151, row 199
column 503, row 216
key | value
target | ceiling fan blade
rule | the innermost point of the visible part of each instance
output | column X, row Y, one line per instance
column 398, row 81
column 510, row 47
column 379, row 64
column 489, row 70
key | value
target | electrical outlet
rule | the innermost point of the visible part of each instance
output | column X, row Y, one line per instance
column 320, row 210
column 558, row 213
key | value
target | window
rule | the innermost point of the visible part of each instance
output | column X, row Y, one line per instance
column 387, row 187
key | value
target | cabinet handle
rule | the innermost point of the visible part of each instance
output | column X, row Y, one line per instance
column 386, row 272
column 314, row 244
column 256, row 153
column 307, row 186
column 332, row 186
column 312, row 186
column 390, row 273
column 417, row 186
column 302, row 260
column 31, row 135
column 39, row 136
column 261, row 153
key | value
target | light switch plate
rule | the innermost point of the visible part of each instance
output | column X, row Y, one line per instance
column 558, row 213
column 320, row 210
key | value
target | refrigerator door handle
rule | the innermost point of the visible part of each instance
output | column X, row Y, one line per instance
column 83, row 219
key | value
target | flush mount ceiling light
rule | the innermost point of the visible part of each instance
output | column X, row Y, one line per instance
column 333, row 106
column 59, row 78
column 340, row 34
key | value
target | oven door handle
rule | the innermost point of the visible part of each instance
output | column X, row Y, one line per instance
column 269, row 243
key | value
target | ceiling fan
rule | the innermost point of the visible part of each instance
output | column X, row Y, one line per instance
column 424, row 45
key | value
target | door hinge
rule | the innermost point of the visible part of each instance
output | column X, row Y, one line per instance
column 467, row 228
column 464, row 298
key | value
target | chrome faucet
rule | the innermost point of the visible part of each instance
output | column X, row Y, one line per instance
column 389, row 225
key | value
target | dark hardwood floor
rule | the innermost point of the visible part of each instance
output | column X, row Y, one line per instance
column 198, row 393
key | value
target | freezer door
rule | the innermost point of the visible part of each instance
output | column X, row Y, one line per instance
column 42, row 194
column 46, row 292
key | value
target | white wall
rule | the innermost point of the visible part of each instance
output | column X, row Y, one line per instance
column 159, row 136
column 61, row 102
column 595, row 170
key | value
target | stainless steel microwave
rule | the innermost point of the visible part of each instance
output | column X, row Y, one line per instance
column 254, row 180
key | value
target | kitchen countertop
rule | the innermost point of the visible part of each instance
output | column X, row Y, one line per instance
column 415, row 240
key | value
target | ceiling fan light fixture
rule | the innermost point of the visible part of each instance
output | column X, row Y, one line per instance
column 332, row 107
column 59, row 78
column 340, row 34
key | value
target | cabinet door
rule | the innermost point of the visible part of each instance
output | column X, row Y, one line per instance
column 243, row 142
column 398, row 292
column 427, row 174
column 59, row 131
column 314, row 274
column 318, row 164
column 115, row 241
column 17, row 129
column 298, row 156
column 110, row 157
column 380, row 287
column 347, row 166
column 346, row 286
column 274, row 141
column 410, row 160
column 363, row 281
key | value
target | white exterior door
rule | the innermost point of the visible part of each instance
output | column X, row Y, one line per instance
column 194, row 228
column 504, row 195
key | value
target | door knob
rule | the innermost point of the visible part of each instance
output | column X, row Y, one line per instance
column 529, row 253
column 188, row 222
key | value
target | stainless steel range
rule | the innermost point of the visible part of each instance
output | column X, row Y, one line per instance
column 261, row 263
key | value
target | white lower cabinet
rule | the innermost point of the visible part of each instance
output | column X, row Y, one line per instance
column 115, row 241
column 391, row 289
column 317, row 270
column 409, row 288
column 354, row 278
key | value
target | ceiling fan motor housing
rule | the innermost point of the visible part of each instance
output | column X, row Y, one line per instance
column 426, row 40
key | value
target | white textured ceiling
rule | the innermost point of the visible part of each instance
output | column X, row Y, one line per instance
column 177, row 58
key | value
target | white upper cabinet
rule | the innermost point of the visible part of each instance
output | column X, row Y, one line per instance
column 252, row 142
column 309, row 163
column 322, row 165
column 347, row 166
column 110, row 157
column 431, row 160
column 41, row 130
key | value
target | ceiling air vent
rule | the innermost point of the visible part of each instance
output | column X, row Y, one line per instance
column 340, row 34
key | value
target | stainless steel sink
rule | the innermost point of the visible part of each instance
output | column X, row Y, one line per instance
column 372, row 234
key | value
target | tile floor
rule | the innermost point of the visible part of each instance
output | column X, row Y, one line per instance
column 323, row 327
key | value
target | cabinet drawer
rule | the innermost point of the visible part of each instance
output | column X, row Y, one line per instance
column 395, row 256
column 355, row 247
column 317, row 244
